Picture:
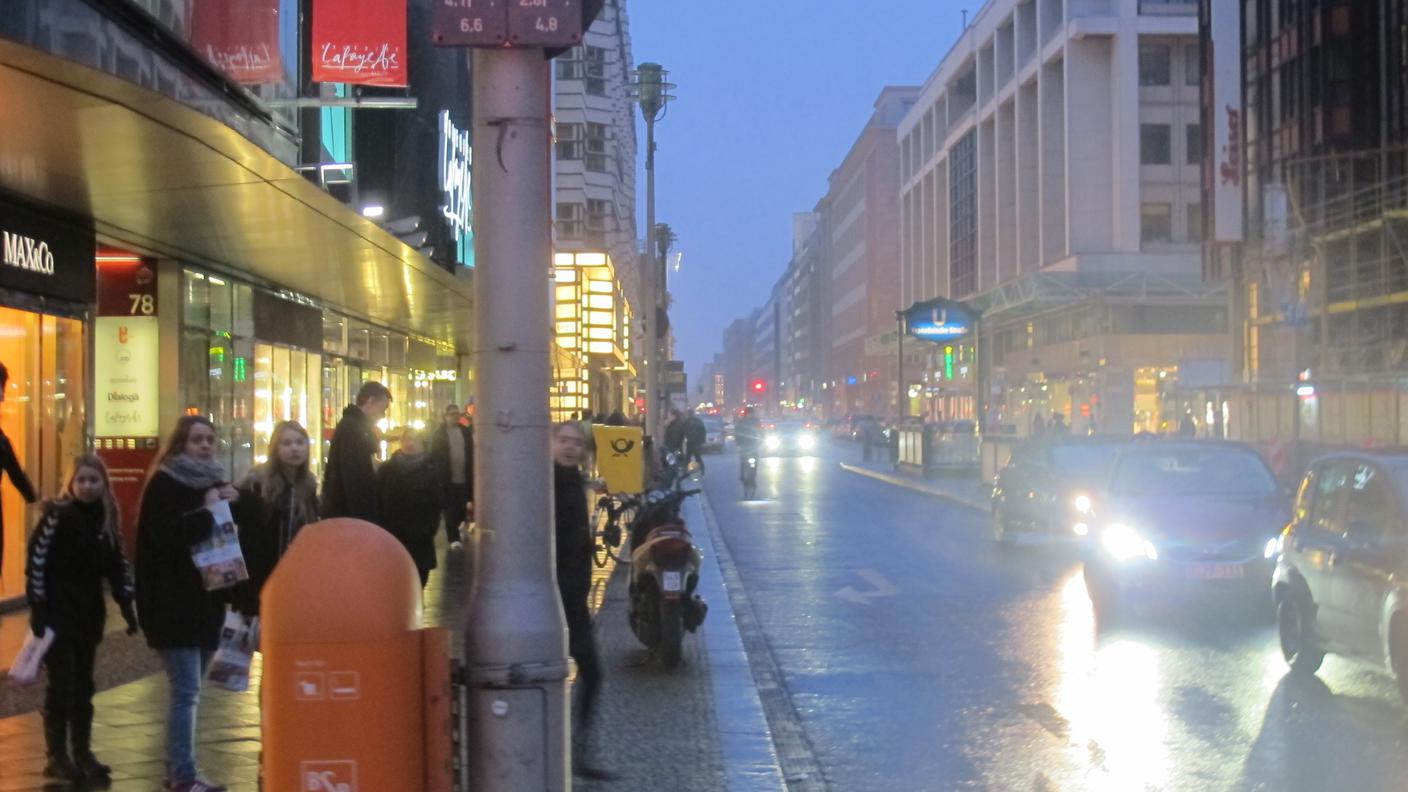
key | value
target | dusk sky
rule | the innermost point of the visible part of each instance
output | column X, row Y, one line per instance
column 771, row 97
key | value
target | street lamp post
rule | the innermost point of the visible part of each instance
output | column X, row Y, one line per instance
column 652, row 92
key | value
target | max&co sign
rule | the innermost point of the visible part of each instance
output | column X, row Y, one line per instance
column 46, row 254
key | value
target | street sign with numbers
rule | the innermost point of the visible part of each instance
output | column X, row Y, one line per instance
column 544, row 23
column 470, row 23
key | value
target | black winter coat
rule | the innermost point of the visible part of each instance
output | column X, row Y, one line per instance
column 408, row 490
column 11, row 465
column 695, row 434
column 173, row 607
column 349, row 487
column 574, row 538
column 674, row 435
column 70, row 554
column 440, row 452
column 265, row 534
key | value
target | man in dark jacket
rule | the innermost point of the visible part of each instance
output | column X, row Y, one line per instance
column 674, row 433
column 452, row 449
column 11, row 465
column 695, row 435
column 408, row 494
column 349, row 485
column 574, row 582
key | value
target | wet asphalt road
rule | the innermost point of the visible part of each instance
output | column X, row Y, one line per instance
column 920, row 656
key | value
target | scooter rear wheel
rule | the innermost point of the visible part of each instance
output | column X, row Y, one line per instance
column 671, row 633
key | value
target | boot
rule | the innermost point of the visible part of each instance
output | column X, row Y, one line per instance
column 87, row 763
column 56, row 742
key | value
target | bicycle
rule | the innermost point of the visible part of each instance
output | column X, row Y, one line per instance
column 612, row 513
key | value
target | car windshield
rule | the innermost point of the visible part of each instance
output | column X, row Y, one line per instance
column 1193, row 471
column 1085, row 460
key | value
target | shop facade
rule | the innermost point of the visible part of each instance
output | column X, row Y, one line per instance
column 46, row 295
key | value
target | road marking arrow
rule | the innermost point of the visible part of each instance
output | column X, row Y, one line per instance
column 881, row 588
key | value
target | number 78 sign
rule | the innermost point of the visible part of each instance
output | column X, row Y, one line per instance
column 508, row 23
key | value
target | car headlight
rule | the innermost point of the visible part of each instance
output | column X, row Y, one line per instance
column 806, row 442
column 1125, row 544
column 1080, row 529
column 1082, row 504
column 1273, row 548
column 772, row 442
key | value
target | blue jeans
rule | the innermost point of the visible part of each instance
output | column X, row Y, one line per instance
column 185, row 671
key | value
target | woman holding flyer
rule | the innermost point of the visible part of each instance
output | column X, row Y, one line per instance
column 281, row 497
column 178, row 602
column 73, row 548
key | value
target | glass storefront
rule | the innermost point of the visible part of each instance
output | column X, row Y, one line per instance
column 44, row 415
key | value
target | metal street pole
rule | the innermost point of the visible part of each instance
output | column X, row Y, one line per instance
column 516, row 637
column 653, row 363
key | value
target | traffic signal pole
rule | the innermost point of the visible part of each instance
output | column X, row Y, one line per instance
column 516, row 639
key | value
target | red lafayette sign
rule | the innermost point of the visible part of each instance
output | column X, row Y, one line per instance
column 360, row 41
column 240, row 38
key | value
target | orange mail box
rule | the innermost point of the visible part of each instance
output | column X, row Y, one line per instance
column 356, row 697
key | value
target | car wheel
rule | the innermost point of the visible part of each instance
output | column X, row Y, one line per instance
column 1103, row 597
column 999, row 526
column 1294, row 627
column 1398, row 653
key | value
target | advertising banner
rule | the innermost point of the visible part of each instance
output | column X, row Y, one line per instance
column 1226, row 109
column 359, row 41
column 240, row 38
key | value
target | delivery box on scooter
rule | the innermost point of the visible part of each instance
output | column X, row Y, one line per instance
column 620, row 457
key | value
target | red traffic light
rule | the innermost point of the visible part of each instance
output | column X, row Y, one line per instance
column 759, row 386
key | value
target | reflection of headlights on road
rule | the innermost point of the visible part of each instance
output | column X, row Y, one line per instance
column 1124, row 544
column 772, row 442
column 1082, row 504
column 806, row 442
column 1273, row 548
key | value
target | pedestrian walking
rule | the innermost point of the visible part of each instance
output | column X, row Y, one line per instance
column 452, row 448
column 180, row 618
column 349, row 484
column 1058, row 424
column 574, row 582
column 10, row 465
column 280, row 496
column 695, row 435
column 1038, row 425
column 674, row 433
column 1187, row 428
column 73, row 549
column 409, row 495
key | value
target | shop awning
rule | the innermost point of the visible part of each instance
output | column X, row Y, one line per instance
column 157, row 174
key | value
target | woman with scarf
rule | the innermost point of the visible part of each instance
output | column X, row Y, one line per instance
column 280, row 497
column 180, row 618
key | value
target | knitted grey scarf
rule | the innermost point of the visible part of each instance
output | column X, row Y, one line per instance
column 195, row 473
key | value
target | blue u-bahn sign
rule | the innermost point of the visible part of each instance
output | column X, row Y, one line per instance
column 940, row 320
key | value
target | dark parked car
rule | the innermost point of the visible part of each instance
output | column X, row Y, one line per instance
column 1184, row 517
column 1340, row 583
column 1048, row 485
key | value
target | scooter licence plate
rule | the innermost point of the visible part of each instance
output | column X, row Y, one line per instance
column 674, row 581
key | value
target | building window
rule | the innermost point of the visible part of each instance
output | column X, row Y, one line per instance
column 1195, row 144
column 1195, row 222
column 1154, row 144
column 594, row 70
column 1154, row 68
column 963, row 217
column 597, row 141
column 569, row 141
column 570, row 219
column 1155, row 222
column 1192, row 55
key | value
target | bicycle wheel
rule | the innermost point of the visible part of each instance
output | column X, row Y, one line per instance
column 601, row 525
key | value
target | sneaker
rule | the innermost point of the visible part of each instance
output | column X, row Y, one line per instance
column 198, row 785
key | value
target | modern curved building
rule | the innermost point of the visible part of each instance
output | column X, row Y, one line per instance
column 188, row 228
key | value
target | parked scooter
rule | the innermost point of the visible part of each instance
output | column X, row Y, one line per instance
column 664, row 573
